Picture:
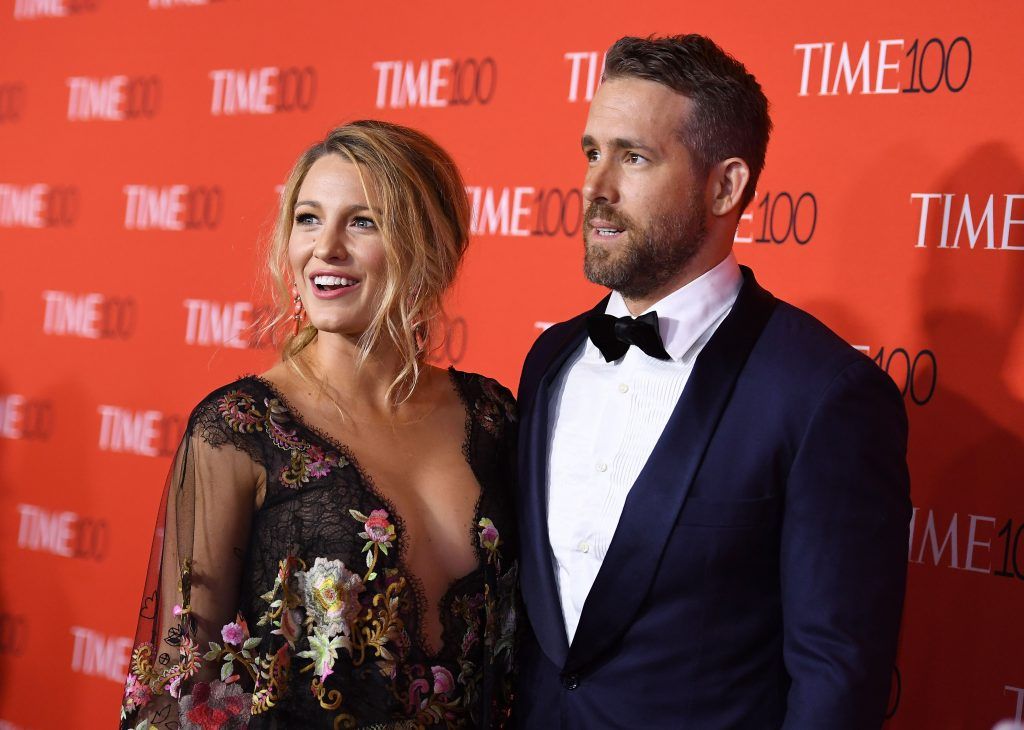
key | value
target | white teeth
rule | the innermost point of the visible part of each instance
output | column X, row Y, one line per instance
column 607, row 231
column 323, row 280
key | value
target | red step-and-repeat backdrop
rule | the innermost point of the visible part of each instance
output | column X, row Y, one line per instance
column 142, row 146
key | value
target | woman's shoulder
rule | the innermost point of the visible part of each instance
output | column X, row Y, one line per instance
column 483, row 384
column 487, row 399
column 230, row 396
column 233, row 412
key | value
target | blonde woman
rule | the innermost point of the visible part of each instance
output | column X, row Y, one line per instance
column 336, row 545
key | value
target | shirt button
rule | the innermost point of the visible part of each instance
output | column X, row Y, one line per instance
column 584, row 547
column 623, row 388
column 570, row 681
column 601, row 466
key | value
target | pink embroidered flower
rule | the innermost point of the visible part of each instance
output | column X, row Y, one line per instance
column 319, row 463
column 378, row 528
column 177, row 609
column 489, row 537
column 232, row 633
column 174, row 687
column 443, row 680
column 137, row 694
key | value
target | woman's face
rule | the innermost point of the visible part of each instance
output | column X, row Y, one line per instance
column 335, row 249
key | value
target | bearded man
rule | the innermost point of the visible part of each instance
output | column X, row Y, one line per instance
column 714, row 498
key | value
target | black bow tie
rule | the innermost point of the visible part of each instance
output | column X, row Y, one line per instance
column 614, row 335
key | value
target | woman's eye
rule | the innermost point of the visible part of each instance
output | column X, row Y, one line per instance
column 363, row 222
column 305, row 218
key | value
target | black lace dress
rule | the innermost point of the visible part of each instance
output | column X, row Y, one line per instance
column 316, row 623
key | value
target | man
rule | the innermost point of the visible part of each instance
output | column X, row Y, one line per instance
column 714, row 495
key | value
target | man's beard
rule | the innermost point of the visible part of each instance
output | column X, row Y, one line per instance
column 650, row 256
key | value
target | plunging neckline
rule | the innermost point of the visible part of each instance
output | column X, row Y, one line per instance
column 419, row 594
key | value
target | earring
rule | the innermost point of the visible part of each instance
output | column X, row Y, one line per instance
column 297, row 302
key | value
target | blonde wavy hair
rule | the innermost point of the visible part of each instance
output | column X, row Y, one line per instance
column 423, row 215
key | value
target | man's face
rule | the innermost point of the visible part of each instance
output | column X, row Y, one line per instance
column 645, row 216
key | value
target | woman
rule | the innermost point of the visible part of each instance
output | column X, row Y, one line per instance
column 336, row 548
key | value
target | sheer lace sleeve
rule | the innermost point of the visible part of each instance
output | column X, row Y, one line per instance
column 192, row 586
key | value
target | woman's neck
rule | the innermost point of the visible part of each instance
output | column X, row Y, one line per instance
column 334, row 360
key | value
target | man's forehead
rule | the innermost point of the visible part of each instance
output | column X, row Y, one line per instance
column 633, row 108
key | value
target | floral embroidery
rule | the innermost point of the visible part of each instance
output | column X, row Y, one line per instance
column 232, row 634
column 214, row 705
column 346, row 628
column 239, row 410
column 332, row 596
column 488, row 534
column 136, row 693
column 271, row 680
column 378, row 533
column 323, row 651
column 306, row 461
column 444, row 682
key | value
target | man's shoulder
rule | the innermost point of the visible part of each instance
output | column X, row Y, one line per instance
column 806, row 352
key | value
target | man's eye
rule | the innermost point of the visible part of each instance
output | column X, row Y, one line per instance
column 591, row 155
column 363, row 222
column 634, row 158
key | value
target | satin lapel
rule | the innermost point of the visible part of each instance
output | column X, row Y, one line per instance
column 654, row 501
column 540, row 591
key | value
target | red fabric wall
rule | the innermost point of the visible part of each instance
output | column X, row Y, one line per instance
column 141, row 146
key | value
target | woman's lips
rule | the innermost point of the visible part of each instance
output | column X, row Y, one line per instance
column 331, row 285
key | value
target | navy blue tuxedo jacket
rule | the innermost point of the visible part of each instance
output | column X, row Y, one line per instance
column 756, row 576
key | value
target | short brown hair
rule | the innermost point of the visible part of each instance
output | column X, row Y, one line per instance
column 730, row 111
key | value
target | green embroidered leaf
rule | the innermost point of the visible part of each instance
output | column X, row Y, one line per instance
column 211, row 655
column 226, row 670
column 371, row 576
column 215, row 646
column 252, row 643
column 358, row 515
column 384, row 548
column 369, row 560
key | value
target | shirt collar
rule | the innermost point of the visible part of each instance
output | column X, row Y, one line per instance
column 687, row 313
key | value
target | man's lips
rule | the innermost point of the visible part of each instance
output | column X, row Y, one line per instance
column 604, row 229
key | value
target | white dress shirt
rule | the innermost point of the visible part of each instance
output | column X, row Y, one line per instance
column 604, row 420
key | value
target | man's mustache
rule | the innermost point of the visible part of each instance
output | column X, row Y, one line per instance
column 606, row 213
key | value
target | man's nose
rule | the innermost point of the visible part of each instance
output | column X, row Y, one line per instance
column 599, row 185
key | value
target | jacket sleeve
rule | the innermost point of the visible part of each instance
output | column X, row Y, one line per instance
column 844, row 553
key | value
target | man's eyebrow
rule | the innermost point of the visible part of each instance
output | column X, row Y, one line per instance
column 621, row 143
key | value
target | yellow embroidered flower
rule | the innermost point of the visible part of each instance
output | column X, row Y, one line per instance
column 332, row 595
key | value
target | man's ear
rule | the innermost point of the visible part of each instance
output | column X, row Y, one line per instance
column 729, row 179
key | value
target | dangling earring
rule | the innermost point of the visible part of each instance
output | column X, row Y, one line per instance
column 297, row 301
